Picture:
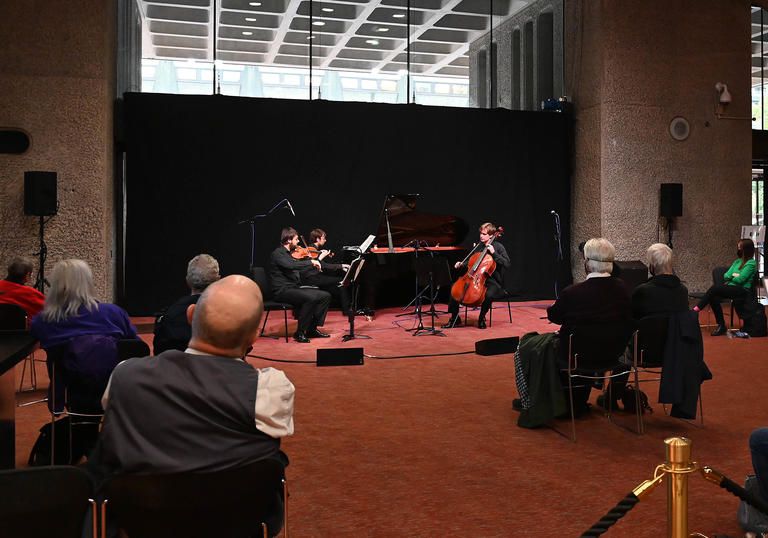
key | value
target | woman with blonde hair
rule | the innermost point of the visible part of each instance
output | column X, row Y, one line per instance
column 71, row 309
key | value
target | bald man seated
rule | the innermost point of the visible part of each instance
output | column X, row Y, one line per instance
column 203, row 409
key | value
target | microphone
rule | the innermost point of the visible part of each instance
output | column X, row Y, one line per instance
column 288, row 202
column 553, row 212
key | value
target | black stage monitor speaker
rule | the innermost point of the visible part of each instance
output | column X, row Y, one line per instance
column 633, row 273
column 40, row 193
column 671, row 201
column 497, row 346
column 340, row 357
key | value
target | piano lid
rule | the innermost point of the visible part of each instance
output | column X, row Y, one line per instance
column 409, row 224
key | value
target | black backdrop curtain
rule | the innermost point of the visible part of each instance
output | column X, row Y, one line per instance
column 197, row 165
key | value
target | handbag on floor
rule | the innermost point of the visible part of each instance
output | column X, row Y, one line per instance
column 750, row 518
column 629, row 402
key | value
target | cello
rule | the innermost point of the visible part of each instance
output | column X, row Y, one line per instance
column 470, row 288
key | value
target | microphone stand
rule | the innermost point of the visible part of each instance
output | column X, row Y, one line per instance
column 559, row 255
column 252, row 221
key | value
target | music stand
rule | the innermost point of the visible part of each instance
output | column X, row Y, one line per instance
column 425, row 270
column 350, row 279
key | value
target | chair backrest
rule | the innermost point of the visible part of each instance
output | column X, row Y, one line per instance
column 12, row 317
column 718, row 275
column 261, row 278
column 43, row 502
column 651, row 340
column 598, row 346
column 129, row 348
column 230, row 503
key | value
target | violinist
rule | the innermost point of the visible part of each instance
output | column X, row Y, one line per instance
column 284, row 272
column 494, row 283
column 332, row 273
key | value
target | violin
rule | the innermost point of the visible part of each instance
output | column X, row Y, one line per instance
column 307, row 253
column 470, row 288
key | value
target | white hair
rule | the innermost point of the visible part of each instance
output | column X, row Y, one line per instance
column 659, row 257
column 202, row 271
column 599, row 254
column 71, row 288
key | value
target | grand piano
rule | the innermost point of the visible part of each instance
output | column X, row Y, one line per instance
column 404, row 236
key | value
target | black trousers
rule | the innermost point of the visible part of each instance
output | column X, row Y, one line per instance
column 330, row 283
column 312, row 304
column 493, row 291
column 717, row 293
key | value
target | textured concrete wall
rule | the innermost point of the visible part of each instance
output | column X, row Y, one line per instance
column 651, row 65
column 502, row 36
column 57, row 66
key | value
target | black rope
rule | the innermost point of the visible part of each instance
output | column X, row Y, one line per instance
column 758, row 503
column 616, row 513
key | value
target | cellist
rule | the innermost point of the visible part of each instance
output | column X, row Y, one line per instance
column 494, row 283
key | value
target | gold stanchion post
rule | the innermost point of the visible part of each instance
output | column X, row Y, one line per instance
column 677, row 467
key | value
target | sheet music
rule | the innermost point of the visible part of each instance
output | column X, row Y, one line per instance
column 367, row 243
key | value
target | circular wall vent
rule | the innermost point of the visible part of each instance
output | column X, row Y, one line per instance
column 679, row 128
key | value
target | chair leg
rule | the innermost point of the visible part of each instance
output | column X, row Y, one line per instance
column 263, row 325
column 509, row 310
column 573, row 413
column 638, row 411
column 285, row 321
column 490, row 316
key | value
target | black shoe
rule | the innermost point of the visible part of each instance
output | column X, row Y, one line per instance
column 301, row 337
column 720, row 331
column 314, row 333
column 517, row 404
column 453, row 322
column 481, row 323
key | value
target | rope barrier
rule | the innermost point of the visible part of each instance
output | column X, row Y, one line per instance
column 729, row 485
column 616, row 513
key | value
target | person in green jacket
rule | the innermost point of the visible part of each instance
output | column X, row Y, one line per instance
column 738, row 281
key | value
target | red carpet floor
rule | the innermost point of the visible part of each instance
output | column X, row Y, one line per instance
column 430, row 447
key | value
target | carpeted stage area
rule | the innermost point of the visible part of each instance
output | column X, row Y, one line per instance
column 429, row 446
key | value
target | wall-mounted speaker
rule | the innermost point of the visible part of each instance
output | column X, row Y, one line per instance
column 671, row 200
column 40, row 197
column 351, row 356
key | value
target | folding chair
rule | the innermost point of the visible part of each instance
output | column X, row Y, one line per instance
column 235, row 503
column 262, row 279
column 649, row 342
column 594, row 350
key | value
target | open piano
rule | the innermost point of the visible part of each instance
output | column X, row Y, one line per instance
column 388, row 278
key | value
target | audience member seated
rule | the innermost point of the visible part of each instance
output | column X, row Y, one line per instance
column 662, row 294
column 601, row 298
column 71, row 309
column 172, row 330
column 738, row 281
column 286, row 285
column 202, row 410
column 14, row 289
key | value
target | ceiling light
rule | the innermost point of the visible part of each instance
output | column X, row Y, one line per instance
column 310, row 37
column 247, row 33
column 318, row 23
column 382, row 29
column 254, row 4
column 398, row 16
column 372, row 41
column 251, row 19
column 328, row 9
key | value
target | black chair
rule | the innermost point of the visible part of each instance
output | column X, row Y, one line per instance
column 44, row 502
column 594, row 350
column 262, row 279
column 129, row 348
column 507, row 297
column 649, row 342
column 235, row 503
column 14, row 318
column 737, row 306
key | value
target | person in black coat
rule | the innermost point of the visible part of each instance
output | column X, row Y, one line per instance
column 284, row 272
column 172, row 330
column 662, row 294
column 331, row 275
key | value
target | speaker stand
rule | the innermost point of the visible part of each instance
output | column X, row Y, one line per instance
column 41, row 281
